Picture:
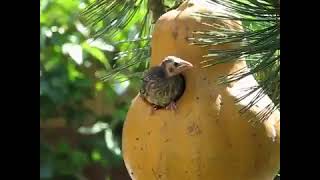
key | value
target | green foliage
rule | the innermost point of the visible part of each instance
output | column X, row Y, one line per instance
column 70, row 66
column 63, row 161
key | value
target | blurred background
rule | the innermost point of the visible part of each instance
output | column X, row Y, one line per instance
column 81, row 117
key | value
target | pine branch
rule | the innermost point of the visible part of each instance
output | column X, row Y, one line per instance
column 259, row 45
column 109, row 17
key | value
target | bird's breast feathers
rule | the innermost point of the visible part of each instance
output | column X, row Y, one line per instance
column 162, row 91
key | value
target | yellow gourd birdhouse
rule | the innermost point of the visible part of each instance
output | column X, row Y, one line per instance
column 207, row 138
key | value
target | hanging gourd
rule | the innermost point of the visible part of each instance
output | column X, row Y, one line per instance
column 205, row 137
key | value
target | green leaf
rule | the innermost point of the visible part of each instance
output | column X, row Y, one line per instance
column 97, row 53
column 74, row 51
column 96, row 156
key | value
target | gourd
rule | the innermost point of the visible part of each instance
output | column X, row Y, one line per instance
column 207, row 138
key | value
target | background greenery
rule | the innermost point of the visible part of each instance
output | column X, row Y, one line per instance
column 81, row 117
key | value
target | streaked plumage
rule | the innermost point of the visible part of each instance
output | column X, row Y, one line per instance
column 163, row 85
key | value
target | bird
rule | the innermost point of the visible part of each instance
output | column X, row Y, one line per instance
column 164, row 84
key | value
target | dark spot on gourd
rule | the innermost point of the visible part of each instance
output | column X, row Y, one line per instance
column 164, row 124
column 131, row 173
column 141, row 148
column 167, row 140
column 204, row 78
column 137, row 139
column 253, row 134
column 193, row 129
column 197, row 98
column 149, row 132
column 159, row 175
column 175, row 34
column 221, row 103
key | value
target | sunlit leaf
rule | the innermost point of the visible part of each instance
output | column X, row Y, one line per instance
column 82, row 28
column 75, row 52
column 99, row 86
column 96, row 128
column 121, row 84
column 97, row 53
column 99, row 43
column 95, row 155
column 111, row 144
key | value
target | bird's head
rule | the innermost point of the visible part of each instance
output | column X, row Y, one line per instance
column 174, row 65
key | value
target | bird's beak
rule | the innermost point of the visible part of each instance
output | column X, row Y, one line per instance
column 184, row 65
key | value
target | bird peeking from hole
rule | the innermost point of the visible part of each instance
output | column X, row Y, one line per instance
column 164, row 84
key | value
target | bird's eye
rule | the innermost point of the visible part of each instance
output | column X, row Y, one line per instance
column 175, row 64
